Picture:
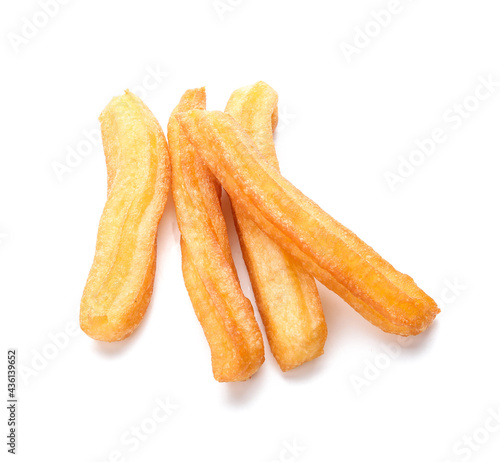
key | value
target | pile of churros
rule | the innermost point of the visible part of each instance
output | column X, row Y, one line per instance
column 286, row 239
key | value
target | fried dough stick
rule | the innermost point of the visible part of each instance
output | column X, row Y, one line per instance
column 286, row 295
column 120, row 282
column 329, row 251
column 225, row 314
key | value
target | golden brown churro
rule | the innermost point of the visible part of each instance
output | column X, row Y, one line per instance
column 287, row 296
column 120, row 282
column 225, row 314
column 329, row 251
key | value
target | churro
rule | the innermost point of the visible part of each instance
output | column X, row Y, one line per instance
column 120, row 282
column 329, row 251
column 225, row 314
column 286, row 295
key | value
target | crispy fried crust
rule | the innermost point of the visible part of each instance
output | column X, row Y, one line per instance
column 120, row 282
column 286, row 295
column 225, row 314
column 329, row 251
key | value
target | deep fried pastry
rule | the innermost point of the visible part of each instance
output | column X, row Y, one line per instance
column 225, row 314
column 329, row 251
column 120, row 282
column 286, row 295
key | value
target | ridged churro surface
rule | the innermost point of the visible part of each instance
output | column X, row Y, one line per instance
column 286, row 295
column 225, row 314
column 328, row 250
column 120, row 282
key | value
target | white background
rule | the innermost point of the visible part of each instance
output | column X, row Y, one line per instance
column 344, row 126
